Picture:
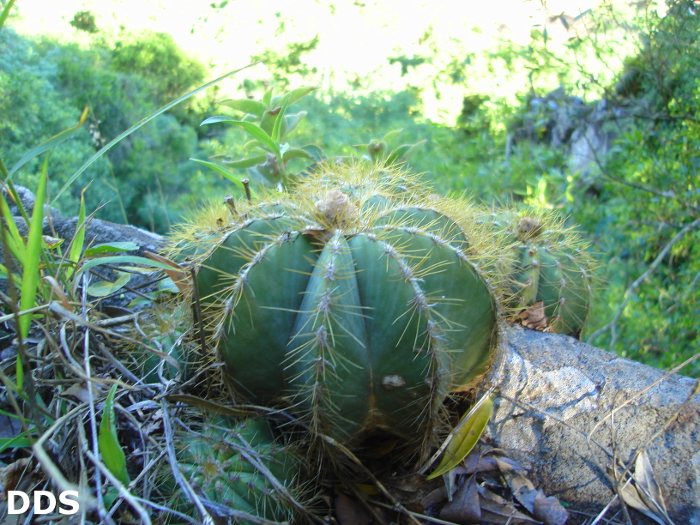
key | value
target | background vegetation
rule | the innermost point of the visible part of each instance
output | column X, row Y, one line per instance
column 640, row 205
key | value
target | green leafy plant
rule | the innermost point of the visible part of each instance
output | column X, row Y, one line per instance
column 268, row 123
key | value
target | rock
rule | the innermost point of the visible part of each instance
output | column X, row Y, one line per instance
column 97, row 232
column 27, row 199
column 564, row 408
column 583, row 131
column 104, row 232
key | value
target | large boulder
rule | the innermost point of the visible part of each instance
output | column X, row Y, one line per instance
column 567, row 411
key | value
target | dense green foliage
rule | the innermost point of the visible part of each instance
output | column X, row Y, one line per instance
column 638, row 207
column 649, row 204
column 45, row 85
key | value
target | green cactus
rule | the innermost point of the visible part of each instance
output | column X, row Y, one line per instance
column 162, row 355
column 357, row 298
column 222, row 461
column 552, row 266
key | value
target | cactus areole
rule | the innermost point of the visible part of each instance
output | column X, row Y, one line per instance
column 357, row 304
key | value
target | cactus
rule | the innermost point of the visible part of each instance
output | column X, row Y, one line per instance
column 157, row 352
column 222, row 463
column 552, row 266
column 358, row 299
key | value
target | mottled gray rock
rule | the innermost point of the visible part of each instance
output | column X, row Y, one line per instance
column 104, row 232
column 584, row 132
column 564, row 408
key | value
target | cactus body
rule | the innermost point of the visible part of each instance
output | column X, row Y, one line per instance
column 219, row 462
column 360, row 307
column 551, row 266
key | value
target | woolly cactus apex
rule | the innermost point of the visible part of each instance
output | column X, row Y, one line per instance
column 237, row 465
column 553, row 269
column 357, row 300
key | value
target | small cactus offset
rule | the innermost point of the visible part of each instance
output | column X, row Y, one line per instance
column 552, row 270
column 237, row 465
column 357, row 298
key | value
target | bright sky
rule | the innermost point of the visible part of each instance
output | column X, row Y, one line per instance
column 355, row 38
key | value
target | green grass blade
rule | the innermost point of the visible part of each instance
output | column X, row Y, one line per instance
column 20, row 373
column 111, row 247
column 108, row 441
column 14, row 240
column 6, row 12
column 136, row 126
column 9, row 414
column 30, row 271
column 19, row 441
column 51, row 143
column 465, row 435
column 76, row 248
column 222, row 171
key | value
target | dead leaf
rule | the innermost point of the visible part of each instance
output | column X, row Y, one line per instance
column 80, row 392
column 505, row 464
column 52, row 242
column 322, row 236
column 534, row 317
column 58, row 290
column 11, row 475
column 179, row 275
column 476, row 461
column 650, row 490
column 464, row 507
column 434, row 497
column 549, row 510
column 349, row 512
column 523, row 490
column 642, row 493
column 414, row 488
column 497, row 510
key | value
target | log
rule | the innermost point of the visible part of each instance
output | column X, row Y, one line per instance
column 566, row 409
